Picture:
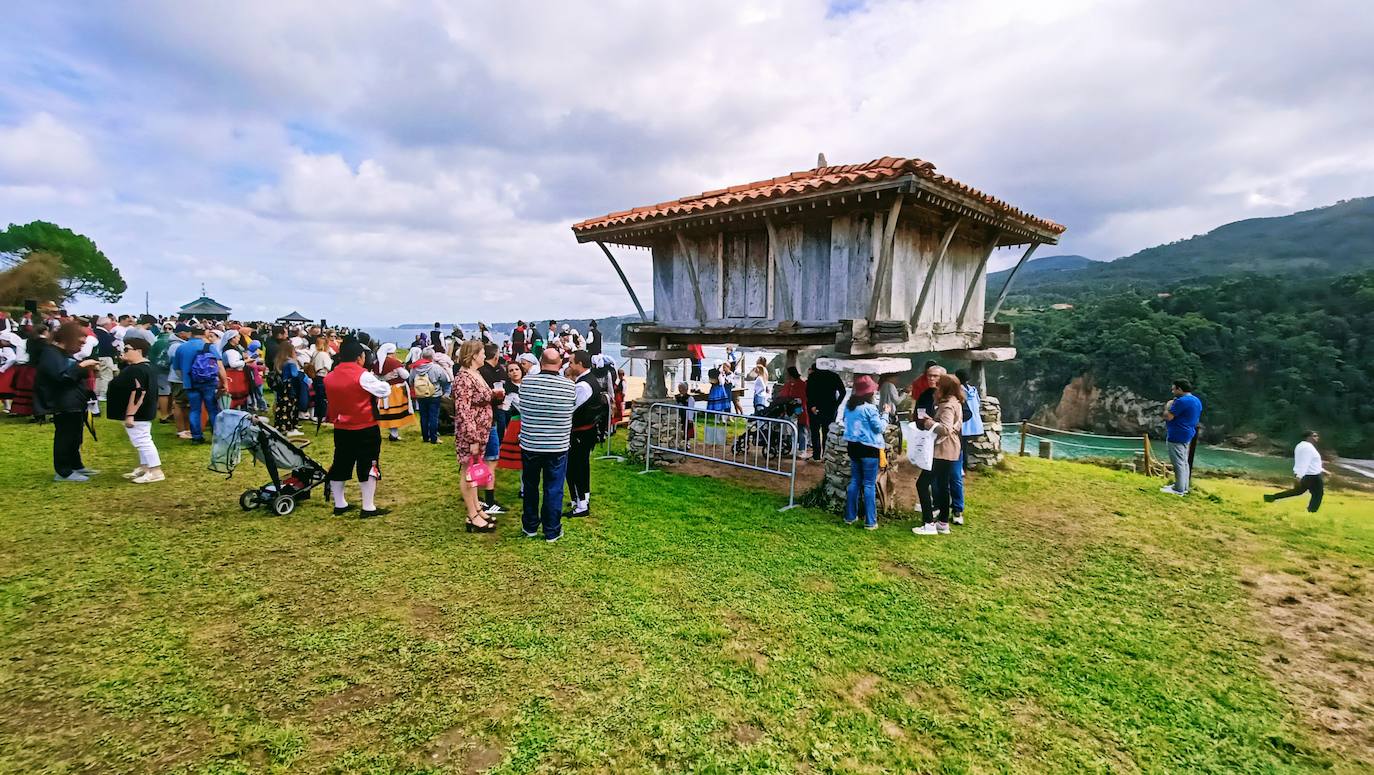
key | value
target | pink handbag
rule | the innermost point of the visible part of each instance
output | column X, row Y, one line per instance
column 479, row 474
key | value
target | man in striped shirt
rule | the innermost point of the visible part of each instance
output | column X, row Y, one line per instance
column 546, row 408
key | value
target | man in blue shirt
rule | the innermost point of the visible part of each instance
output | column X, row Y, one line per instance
column 1181, row 416
column 200, row 391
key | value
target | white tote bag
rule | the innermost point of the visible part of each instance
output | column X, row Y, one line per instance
column 920, row 446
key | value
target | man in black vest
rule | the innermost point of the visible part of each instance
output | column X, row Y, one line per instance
column 824, row 392
column 593, row 338
column 588, row 416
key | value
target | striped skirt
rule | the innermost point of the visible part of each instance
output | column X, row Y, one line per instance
column 394, row 410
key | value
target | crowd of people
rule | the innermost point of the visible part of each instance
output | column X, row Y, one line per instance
column 537, row 403
column 944, row 405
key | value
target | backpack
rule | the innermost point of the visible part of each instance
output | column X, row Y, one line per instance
column 603, row 415
column 424, row 386
column 205, row 368
column 162, row 359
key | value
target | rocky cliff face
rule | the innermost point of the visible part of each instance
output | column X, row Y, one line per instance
column 1082, row 405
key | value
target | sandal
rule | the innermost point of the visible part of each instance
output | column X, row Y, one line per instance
column 487, row 525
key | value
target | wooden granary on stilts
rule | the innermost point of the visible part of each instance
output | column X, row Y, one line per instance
column 870, row 261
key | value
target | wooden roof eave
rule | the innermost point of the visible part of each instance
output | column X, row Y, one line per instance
column 1014, row 230
column 644, row 233
column 962, row 204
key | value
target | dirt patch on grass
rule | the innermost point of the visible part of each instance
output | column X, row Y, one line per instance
column 347, row 701
column 746, row 734
column 745, row 646
column 454, row 746
column 425, row 615
column 861, row 688
column 57, row 733
column 808, row 475
column 900, row 570
column 1322, row 650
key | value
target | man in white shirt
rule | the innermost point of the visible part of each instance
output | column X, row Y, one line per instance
column 1307, row 467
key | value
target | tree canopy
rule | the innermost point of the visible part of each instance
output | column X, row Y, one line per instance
column 37, row 277
column 1273, row 355
column 85, row 270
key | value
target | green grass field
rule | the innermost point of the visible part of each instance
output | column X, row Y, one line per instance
column 1082, row 622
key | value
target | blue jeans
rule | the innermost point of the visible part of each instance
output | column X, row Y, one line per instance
column 429, row 418
column 1178, row 455
column 196, row 397
column 956, row 486
column 863, row 490
column 552, row 466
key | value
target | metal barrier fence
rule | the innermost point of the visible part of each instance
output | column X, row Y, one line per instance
column 765, row 444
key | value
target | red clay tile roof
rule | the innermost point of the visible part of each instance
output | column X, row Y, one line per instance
column 819, row 179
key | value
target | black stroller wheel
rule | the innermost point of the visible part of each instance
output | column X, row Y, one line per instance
column 249, row 500
column 283, row 505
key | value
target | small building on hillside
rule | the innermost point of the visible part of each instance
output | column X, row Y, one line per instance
column 294, row 317
column 204, row 308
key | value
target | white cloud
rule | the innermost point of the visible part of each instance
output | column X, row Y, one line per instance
column 42, row 150
column 388, row 161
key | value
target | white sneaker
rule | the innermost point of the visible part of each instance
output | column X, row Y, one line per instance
column 183, row 434
column 959, row 518
column 291, row 434
column 494, row 508
column 134, row 474
column 942, row 527
column 1169, row 488
column 928, row 529
column 151, row 476
column 75, row 476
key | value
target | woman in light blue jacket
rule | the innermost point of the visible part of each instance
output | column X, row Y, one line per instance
column 863, row 430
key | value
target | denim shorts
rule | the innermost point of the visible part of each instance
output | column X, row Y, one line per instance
column 493, row 451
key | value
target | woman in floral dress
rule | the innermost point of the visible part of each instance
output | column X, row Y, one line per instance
column 471, row 427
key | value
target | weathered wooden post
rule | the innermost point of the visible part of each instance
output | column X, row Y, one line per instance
column 1023, row 438
column 1149, row 469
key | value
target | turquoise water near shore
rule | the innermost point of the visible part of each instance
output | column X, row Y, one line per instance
column 1070, row 447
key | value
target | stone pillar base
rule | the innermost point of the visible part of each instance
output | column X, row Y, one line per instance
column 986, row 450
column 639, row 432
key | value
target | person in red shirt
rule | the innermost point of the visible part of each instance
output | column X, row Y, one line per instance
column 352, row 392
column 795, row 387
column 698, row 354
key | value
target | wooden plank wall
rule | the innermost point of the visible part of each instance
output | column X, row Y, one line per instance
column 665, row 305
column 826, row 267
column 745, row 260
column 852, row 264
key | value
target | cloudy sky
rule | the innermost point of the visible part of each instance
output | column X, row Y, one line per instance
column 406, row 160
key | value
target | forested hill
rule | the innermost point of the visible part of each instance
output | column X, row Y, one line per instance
column 1269, row 355
column 1333, row 240
column 1038, row 269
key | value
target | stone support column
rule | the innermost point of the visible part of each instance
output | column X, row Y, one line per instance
column 655, row 389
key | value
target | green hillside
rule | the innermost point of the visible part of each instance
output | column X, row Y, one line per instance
column 1038, row 270
column 1333, row 240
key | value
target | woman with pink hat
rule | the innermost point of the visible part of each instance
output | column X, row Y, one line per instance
column 863, row 430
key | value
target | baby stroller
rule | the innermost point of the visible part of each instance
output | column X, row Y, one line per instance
column 294, row 474
column 775, row 441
